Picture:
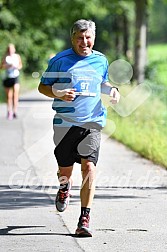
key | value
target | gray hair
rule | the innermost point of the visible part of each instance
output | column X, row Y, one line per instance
column 83, row 25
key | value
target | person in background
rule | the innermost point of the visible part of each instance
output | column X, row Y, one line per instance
column 12, row 63
column 75, row 78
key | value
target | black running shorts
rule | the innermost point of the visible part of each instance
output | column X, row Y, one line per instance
column 76, row 143
column 10, row 82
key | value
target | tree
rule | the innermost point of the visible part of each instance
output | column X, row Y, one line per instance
column 140, row 40
column 157, row 22
column 39, row 28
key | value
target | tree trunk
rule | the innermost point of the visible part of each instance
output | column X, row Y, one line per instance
column 140, row 41
column 118, row 38
column 125, row 34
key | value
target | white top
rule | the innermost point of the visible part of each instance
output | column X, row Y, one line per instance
column 13, row 62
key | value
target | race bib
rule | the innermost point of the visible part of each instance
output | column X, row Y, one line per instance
column 85, row 84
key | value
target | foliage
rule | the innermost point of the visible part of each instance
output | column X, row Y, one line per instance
column 144, row 130
column 157, row 62
column 39, row 28
column 157, row 29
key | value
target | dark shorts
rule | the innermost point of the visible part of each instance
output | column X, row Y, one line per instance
column 10, row 82
column 76, row 143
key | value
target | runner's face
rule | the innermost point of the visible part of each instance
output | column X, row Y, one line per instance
column 83, row 42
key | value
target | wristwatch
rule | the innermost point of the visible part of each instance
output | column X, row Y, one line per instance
column 114, row 87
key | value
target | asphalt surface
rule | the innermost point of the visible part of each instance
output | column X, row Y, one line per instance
column 129, row 212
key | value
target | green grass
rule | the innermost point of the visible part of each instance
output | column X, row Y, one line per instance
column 2, row 93
column 157, row 52
column 157, row 63
column 27, row 83
column 145, row 130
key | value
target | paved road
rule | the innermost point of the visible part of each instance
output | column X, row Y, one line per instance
column 129, row 212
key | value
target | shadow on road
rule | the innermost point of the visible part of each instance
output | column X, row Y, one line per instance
column 6, row 231
column 43, row 196
column 21, row 198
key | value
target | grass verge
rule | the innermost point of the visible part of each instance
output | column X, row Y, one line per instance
column 144, row 130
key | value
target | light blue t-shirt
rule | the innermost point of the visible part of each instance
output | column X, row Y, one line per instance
column 86, row 75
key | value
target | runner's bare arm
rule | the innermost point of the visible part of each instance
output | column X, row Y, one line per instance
column 65, row 95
